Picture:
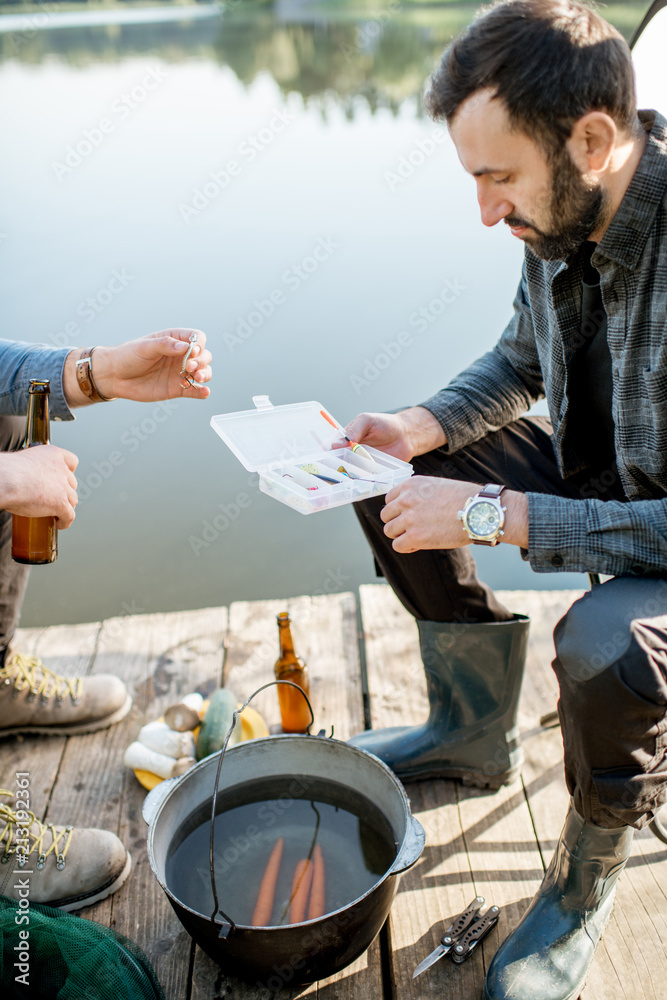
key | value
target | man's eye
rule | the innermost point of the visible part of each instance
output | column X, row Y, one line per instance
column 501, row 180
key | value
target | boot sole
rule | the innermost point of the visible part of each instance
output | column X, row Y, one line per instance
column 72, row 730
column 468, row 778
column 78, row 902
column 570, row 996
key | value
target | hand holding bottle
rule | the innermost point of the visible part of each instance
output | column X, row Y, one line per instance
column 39, row 482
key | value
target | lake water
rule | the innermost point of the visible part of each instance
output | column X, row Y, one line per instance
column 346, row 205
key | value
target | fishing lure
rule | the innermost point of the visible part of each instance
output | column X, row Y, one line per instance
column 189, row 380
column 354, row 445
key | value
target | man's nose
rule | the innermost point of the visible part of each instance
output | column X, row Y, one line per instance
column 492, row 205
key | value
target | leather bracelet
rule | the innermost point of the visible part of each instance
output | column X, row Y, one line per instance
column 84, row 376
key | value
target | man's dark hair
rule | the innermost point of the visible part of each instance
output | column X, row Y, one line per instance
column 549, row 61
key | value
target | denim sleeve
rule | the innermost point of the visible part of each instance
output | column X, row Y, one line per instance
column 597, row 536
column 497, row 388
column 19, row 363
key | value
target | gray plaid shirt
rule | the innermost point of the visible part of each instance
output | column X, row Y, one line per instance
column 531, row 360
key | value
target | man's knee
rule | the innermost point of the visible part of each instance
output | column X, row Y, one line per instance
column 601, row 626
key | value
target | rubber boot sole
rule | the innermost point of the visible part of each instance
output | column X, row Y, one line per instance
column 570, row 996
column 78, row 902
column 468, row 777
column 72, row 730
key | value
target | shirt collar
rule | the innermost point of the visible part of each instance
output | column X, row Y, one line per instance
column 628, row 231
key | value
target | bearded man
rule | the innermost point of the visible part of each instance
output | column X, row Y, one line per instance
column 539, row 99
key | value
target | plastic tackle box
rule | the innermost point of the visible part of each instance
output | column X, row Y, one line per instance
column 277, row 441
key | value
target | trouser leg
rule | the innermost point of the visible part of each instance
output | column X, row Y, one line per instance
column 611, row 664
column 441, row 585
column 13, row 576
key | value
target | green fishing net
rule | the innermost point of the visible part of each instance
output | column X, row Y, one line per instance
column 69, row 958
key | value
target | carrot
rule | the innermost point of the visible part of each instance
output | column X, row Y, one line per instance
column 303, row 876
column 316, row 906
column 267, row 889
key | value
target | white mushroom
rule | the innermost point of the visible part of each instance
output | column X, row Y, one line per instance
column 141, row 758
column 161, row 737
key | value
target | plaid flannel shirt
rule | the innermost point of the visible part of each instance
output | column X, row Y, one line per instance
column 531, row 361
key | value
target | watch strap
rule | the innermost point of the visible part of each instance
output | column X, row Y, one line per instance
column 84, row 377
column 491, row 490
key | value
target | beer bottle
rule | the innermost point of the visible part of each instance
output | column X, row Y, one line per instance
column 294, row 710
column 35, row 539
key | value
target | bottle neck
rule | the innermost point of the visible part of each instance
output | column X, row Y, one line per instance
column 285, row 637
column 37, row 431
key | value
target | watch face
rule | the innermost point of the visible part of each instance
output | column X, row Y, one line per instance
column 483, row 518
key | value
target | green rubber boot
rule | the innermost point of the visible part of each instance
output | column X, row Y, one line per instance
column 473, row 678
column 549, row 953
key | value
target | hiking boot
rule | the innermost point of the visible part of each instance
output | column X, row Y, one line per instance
column 61, row 866
column 549, row 953
column 473, row 680
column 34, row 699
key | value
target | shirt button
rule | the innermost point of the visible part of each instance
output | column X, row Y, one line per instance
column 556, row 560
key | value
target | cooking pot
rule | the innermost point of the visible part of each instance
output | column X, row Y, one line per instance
column 276, row 956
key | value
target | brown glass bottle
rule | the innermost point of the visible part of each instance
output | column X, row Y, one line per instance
column 294, row 710
column 35, row 539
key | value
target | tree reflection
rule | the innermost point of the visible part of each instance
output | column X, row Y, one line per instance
column 342, row 53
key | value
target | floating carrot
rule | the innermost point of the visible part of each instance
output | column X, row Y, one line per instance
column 303, row 876
column 316, row 906
column 267, row 889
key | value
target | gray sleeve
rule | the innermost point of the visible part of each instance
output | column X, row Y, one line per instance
column 19, row 363
column 597, row 536
column 497, row 388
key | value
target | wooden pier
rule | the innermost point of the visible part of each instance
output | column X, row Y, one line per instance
column 363, row 658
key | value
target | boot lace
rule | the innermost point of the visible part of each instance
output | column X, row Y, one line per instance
column 30, row 672
column 13, row 820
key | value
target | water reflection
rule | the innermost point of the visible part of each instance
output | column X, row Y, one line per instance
column 342, row 51
column 349, row 84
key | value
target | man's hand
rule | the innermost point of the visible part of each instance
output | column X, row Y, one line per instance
column 422, row 512
column 147, row 369
column 403, row 435
column 39, row 482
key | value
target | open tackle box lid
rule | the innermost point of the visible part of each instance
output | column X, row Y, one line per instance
column 276, row 441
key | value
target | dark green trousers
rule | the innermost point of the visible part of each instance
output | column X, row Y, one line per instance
column 611, row 646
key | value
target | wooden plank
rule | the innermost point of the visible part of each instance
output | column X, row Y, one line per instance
column 160, row 658
column 483, row 842
column 325, row 635
column 324, row 630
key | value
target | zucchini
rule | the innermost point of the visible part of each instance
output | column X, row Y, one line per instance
column 216, row 723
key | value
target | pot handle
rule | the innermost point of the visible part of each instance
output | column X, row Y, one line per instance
column 155, row 798
column 411, row 849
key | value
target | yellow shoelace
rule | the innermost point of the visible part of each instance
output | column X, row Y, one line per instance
column 15, row 825
column 30, row 672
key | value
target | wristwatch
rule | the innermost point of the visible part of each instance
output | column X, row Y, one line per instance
column 84, row 376
column 483, row 515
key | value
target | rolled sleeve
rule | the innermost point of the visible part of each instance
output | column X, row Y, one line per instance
column 21, row 362
column 597, row 536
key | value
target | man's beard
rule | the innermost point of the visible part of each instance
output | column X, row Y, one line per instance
column 576, row 212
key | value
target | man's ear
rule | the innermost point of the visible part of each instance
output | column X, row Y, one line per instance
column 592, row 142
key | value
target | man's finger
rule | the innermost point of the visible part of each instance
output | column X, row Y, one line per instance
column 358, row 428
column 390, row 511
column 71, row 460
column 62, row 523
